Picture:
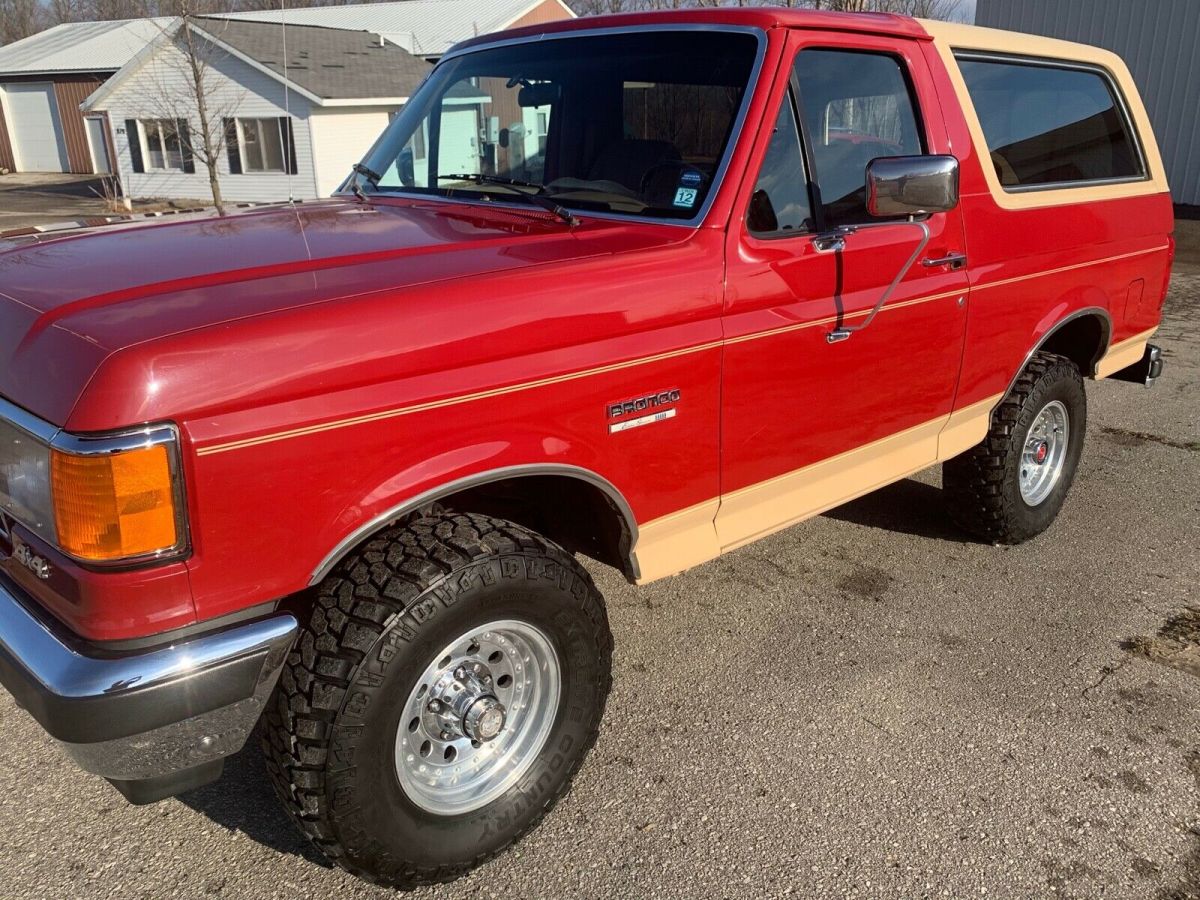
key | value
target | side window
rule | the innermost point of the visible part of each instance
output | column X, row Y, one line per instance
column 857, row 106
column 780, row 202
column 1047, row 125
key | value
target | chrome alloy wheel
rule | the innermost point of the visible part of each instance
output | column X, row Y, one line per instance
column 1045, row 453
column 478, row 717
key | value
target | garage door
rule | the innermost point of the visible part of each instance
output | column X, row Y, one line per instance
column 33, row 127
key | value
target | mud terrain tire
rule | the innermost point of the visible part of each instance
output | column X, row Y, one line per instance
column 330, row 734
column 983, row 486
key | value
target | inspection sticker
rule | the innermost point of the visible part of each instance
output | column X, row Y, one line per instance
column 686, row 197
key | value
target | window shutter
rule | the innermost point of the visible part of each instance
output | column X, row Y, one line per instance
column 185, row 146
column 289, row 145
column 135, row 145
column 231, row 147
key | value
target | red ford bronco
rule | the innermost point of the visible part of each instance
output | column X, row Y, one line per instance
column 641, row 288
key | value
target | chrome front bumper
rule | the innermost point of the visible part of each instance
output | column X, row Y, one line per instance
column 153, row 723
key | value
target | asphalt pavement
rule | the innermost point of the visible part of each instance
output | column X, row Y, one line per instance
column 865, row 705
column 39, row 199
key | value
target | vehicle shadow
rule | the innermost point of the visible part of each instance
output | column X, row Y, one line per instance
column 243, row 800
column 905, row 507
column 88, row 188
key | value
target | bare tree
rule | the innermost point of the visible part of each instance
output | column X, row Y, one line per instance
column 59, row 11
column 20, row 18
column 187, row 91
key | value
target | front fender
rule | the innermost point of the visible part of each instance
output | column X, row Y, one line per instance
column 389, row 496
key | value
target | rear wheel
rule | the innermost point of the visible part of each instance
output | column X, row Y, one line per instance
column 446, row 690
column 1010, row 487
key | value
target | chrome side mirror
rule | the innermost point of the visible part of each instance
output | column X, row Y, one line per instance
column 911, row 185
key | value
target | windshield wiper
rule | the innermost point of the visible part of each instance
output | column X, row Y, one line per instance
column 537, row 198
column 360, row 171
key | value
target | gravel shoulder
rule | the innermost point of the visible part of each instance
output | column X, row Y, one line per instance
column 865, row 705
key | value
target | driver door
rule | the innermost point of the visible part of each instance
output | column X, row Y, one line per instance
column 808, row 423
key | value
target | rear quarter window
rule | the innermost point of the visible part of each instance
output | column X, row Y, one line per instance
column 1048, row 125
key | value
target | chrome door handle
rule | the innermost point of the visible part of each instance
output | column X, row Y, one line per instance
column 834, row 240
column 830, row 243
column 953, row 260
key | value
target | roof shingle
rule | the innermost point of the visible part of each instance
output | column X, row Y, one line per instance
column 329, row 63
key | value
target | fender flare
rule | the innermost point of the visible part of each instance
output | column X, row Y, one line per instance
column 1096, row 311
column 395, row 513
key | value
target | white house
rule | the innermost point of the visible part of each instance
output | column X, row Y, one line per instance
column 281, row 135
column 45, row 78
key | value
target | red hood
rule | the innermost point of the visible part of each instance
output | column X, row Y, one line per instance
column 69, row 300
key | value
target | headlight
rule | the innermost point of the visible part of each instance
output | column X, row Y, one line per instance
column 100, row 499
column 25, row 480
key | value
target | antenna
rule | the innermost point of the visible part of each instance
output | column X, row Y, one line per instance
column 288, row 147
column 289, row 151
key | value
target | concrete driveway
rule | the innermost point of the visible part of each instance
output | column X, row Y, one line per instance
column 865, row 705
column 33, row 199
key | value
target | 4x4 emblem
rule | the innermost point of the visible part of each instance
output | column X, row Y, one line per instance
column 31, row 561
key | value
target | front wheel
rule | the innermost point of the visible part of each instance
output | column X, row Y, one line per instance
column 447, row 688
column 1010, row 487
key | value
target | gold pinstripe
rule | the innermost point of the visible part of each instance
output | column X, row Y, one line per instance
column 452, row 401
column 1071, row 268
column 833, row 320
column 616, row 367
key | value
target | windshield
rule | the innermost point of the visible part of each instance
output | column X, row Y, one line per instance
column 632, row 123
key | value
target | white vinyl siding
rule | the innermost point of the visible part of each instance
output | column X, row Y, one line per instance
column 239, row 91
column 340, row 138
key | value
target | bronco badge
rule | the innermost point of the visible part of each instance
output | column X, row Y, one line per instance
column 656, row 407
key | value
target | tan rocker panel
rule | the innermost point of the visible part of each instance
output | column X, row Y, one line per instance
column 949, row 37
column 1126, row 353
column 680, row 540
column 683, row 539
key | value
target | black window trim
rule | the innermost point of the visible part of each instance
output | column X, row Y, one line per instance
column 791, row 98
column 795, row 96
column 1045, row 62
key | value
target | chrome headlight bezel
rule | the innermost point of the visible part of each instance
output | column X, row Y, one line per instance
column 38, row 440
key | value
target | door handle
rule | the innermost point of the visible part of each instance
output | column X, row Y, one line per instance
column 834, row 240
column 843, row 332
column 953, row 260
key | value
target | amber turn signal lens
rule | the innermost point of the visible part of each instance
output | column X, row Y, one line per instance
column 114, row 506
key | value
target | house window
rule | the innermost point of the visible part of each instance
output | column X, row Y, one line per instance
column 164, row 151
column 261, row 145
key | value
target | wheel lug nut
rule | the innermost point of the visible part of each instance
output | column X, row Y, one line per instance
column 434, row 706
column 460, row 673
column 477, row 668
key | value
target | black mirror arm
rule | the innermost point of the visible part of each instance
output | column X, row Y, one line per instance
column 843, row 333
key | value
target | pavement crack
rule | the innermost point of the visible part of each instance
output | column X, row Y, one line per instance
column 1106, row 672
column 870, row 721
column 1139, row 436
